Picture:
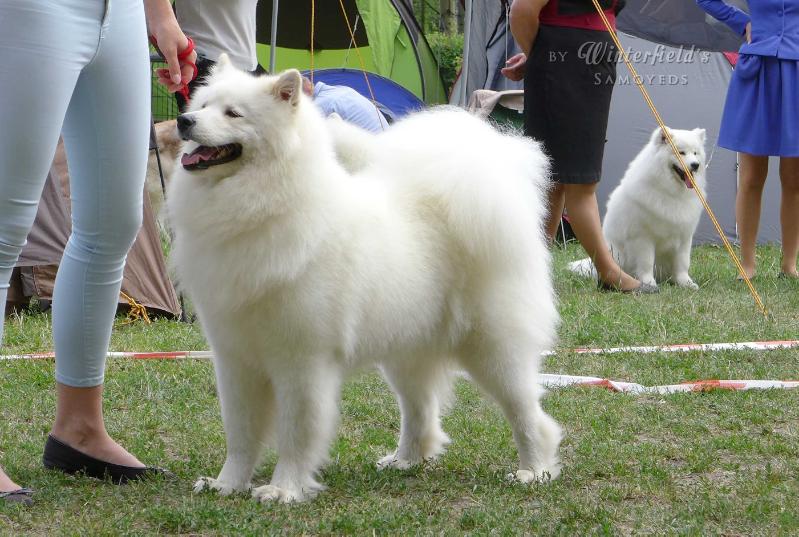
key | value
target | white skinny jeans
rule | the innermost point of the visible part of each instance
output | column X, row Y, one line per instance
column 80, row 67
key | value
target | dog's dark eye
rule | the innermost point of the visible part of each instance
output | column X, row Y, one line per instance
column 232, row 113
column 682, row 153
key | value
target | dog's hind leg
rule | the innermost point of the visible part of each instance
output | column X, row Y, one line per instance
column 510, row 377
column 248, row 405
column 307, row 416
column 422, row 387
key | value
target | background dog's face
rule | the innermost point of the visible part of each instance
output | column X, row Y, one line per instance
column 237, row 118
column 691, row 146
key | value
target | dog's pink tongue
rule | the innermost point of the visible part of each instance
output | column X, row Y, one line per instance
column 188, row 160
column 688, row 183
column 201, row 153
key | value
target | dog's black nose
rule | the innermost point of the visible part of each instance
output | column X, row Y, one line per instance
column 185, row 123
column 694, row 166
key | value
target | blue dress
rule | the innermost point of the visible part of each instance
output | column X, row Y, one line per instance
column 761, row 114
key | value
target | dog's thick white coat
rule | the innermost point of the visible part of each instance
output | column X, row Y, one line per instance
column 652, row 215
column 431, row 258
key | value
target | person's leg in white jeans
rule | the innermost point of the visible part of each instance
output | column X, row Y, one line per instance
column 83, row 64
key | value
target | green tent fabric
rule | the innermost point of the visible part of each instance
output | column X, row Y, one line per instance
column 388, row 42
column 382, row 25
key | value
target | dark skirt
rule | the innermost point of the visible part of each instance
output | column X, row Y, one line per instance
column 761, row 115
column 568, row 86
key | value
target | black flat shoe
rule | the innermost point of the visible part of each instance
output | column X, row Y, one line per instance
column 59, row 456
column 19, row 496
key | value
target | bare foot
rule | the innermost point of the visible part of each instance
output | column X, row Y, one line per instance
column 789, row 270
column 6, row 484
column 750, row 273
column 621, row 281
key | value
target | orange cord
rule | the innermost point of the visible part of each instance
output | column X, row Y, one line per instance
column 137, row 311
column 360, row 60
column 313, row 27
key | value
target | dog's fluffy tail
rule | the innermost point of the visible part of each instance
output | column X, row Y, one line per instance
column 584, row 268
column 353, row 145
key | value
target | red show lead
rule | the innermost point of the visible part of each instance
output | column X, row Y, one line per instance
column 182, row 56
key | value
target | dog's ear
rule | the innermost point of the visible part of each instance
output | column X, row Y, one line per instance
column 657, row 137
column 702, row 134
column 662, row 136
column 222, row 64
column 288, row 87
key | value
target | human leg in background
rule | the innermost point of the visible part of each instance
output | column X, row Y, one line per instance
column 789, row 214
column 557, row 200
column 32, row 108
column 583, row 210
column 752, row 173
column 106, row 137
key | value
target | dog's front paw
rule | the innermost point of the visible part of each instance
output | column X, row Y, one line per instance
column 392, row 461
column 209, row 483
column 649, row 280
column 272, row 493
column 688, row 284
column 534, row 476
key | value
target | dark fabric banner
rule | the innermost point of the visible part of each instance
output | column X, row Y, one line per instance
column 679, row 23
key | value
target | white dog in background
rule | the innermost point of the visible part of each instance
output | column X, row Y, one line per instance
column 430, row 259
column 652, row 215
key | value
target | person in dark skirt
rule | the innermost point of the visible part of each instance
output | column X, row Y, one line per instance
column 761, row 118
column 569, row 71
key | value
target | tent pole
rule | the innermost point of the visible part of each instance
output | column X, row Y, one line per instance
column 273, row 38
column 467, row 34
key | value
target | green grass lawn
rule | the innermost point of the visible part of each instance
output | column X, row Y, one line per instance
column 702, row 463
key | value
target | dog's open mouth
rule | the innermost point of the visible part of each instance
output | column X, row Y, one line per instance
column 205, row 156
column 683, row 177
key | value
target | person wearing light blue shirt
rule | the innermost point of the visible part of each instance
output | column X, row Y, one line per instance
column 761, row 117
column 347, row 103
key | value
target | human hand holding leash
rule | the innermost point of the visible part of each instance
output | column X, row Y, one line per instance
column 165, row 75
column 173, row 45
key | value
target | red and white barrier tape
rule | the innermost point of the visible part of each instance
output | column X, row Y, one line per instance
column 179, row 355
column 556, row 381
column 682, row 347
column 688, row 347
column 560, row 381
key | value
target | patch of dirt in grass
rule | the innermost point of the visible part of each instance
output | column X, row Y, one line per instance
column 647, row 438
column 463, row 503
column 718, row 477
column 787, row 430
column 722, row 476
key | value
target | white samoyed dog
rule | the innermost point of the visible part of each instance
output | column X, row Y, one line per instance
column 429, row 259
column 652, row 215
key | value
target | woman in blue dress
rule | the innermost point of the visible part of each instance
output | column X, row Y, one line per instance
column 761, row 117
